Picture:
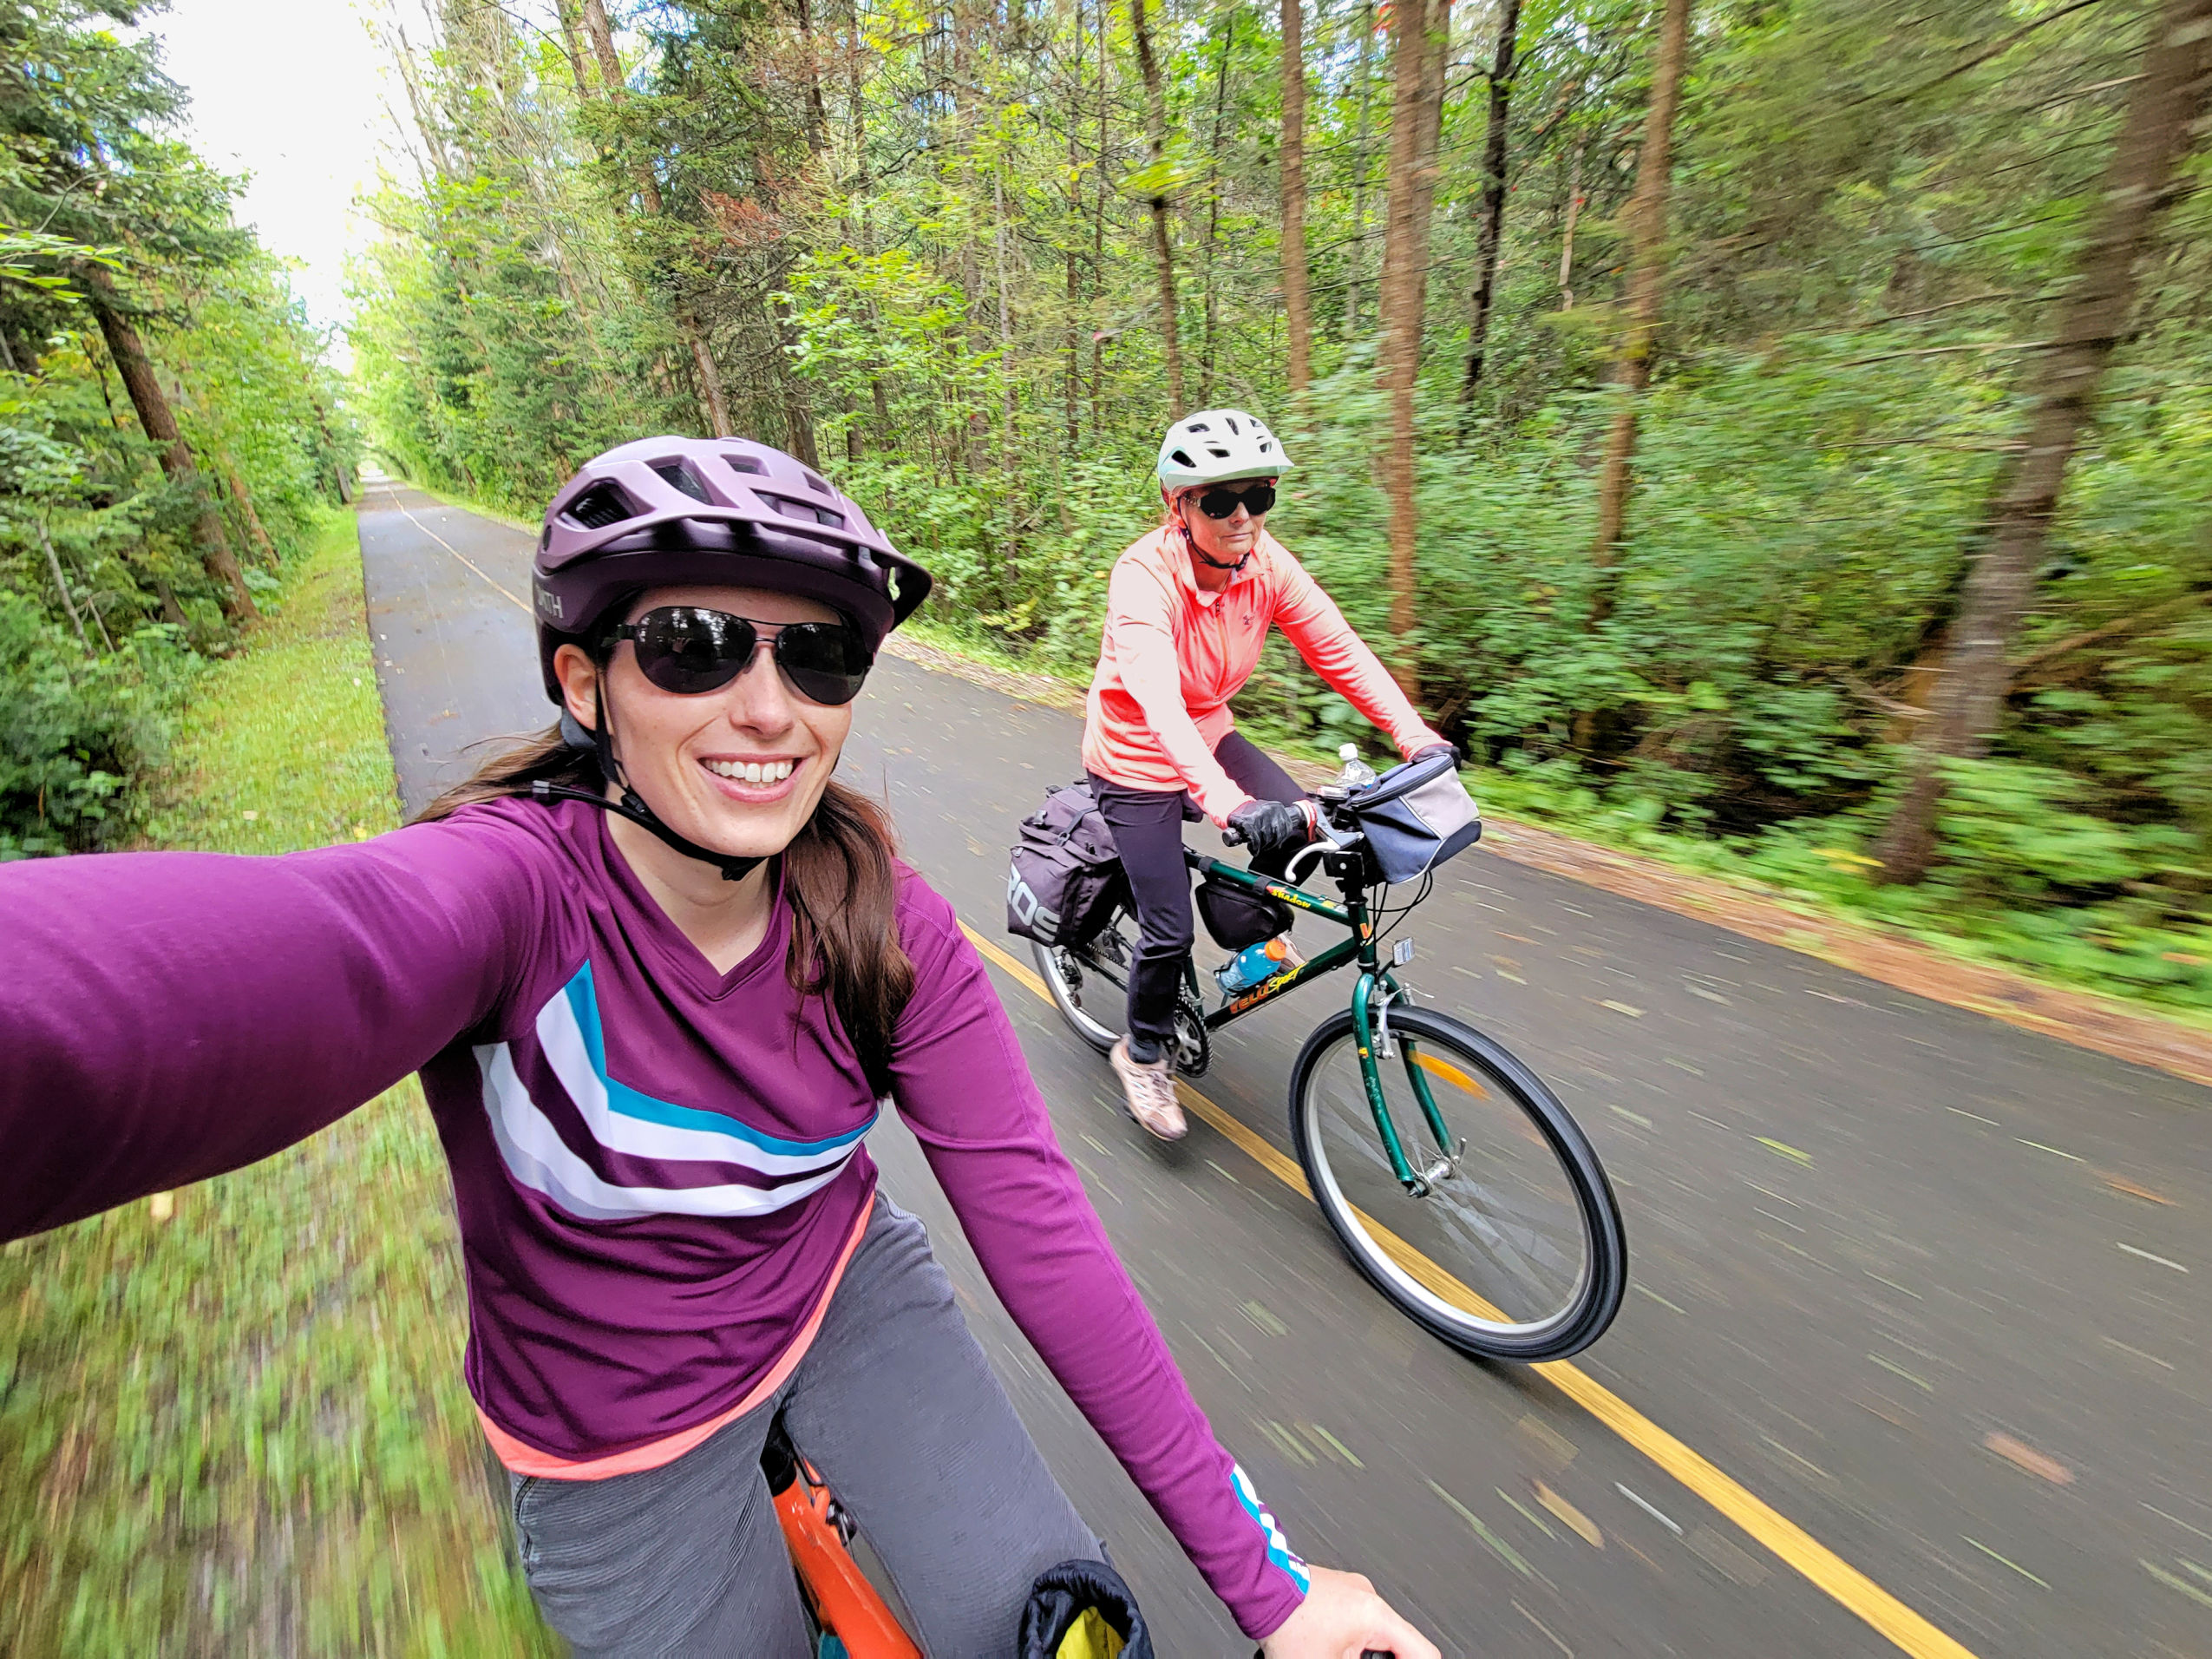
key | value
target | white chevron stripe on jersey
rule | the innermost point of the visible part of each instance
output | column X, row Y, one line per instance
column 538, row 1158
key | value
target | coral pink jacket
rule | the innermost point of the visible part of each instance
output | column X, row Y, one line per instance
column 1173, row 655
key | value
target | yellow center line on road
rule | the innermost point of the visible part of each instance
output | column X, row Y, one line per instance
column 1790, row 1543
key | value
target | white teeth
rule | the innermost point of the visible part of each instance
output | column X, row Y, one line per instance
column 751, row 772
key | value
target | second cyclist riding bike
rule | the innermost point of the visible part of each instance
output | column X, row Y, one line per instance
column 1457, row 1182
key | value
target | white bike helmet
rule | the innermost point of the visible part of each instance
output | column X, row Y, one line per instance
column 1215, row 445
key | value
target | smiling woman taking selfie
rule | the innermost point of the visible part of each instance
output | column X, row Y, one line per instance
column 659, row 973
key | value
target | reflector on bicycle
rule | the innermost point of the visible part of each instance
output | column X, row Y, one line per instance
column 1416, row 816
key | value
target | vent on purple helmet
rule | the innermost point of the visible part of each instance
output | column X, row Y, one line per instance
column 745, row 463
column 791, row 508
column 820, row 486
column 600, row 506
column 683, row 478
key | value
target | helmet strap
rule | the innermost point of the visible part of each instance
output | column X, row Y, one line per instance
column 631, row 805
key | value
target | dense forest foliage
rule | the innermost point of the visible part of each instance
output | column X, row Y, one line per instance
column 1783, row 429
column 169, row 431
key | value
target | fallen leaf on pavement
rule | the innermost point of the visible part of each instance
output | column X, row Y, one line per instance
column 2024, row 1456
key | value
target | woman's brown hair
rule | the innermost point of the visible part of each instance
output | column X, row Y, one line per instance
column 838, row 876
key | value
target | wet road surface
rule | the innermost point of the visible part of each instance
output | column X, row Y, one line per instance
column 1926, row 1293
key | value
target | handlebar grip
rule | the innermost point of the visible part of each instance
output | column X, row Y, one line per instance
column 1231, row 836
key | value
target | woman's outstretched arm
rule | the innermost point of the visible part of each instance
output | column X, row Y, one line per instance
column 167, row 1016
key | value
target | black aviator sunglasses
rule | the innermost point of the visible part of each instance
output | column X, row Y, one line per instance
column 691, row 651
column 1220, row 504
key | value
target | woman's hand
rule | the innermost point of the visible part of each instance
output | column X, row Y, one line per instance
column 1342, row 1618
column 1268, row 827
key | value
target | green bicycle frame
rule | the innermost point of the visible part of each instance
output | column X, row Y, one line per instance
column 1352, row 915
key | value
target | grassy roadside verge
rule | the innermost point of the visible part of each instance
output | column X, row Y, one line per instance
column 241, row 1430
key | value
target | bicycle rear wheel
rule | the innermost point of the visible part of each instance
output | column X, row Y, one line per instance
column 1090, row 987
column 1089, row 983
column 1517, row 1252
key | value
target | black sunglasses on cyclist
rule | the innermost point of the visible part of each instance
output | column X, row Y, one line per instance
column 1220, row 503
column 692, row 650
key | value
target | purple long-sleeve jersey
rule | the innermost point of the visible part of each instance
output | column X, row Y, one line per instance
column 656, row 1166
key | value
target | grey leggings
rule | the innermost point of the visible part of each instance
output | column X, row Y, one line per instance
column 895, row 1405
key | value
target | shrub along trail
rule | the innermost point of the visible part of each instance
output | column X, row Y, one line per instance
column 1923, row 1282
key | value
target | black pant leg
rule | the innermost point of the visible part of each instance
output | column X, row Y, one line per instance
column 1148, row 828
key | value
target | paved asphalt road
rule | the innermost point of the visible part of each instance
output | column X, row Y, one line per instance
column 1933, row 1288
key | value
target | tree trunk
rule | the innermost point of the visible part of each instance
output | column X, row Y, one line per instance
column 331, row 447
column 1213, row 212
column 1357, row 261
column 817, row 113
column 1575, row 196
column 1162, row 248
column 1419, row 30
column 2172, row 93
column 1005, row 306
column 1647, row 226
column 564, row 13
column 1491, row 236
column 1098, row 220
column 1297, row 304
column 161, row 425
column 62, row 586
column 1074, row 270
column 244, row 498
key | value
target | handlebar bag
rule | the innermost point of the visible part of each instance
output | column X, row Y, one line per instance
column 1416, row 816
column 1066, row 874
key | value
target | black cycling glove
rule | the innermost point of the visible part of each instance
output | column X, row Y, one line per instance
column 1271, row 826
column 1439, row 749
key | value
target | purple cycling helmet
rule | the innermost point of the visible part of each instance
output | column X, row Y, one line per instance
column 662, row 511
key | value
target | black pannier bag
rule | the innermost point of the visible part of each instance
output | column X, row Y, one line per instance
column 1416, row 816
column 1066, row 875
column 1236, row 916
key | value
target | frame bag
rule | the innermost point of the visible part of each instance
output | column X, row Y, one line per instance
column 1066, row 875
column 1416, row 816
column 1236, row 916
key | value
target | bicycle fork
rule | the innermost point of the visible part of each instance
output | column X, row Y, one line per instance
column 1370, row 1029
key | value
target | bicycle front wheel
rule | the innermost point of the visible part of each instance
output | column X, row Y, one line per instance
column 1516, row 1250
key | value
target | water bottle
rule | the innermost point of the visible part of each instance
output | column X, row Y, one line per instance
column 1254, row 965
column 1357, row 774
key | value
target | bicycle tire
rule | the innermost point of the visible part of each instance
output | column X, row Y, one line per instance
column 1407, row 1275
column 1061, row 970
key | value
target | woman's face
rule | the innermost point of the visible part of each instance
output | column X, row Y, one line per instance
column 738, row 770
column 1227, row 539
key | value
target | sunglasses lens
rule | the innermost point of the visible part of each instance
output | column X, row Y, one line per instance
column 1223, row 503
column 824, row 661
column 688, row 651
